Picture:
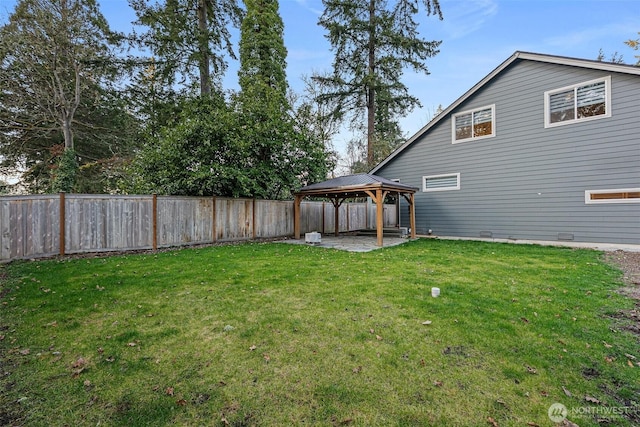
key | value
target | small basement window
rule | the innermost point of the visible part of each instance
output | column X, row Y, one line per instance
column 474, row 124
column 441, row 182
column 623, row 195
column 585, row 101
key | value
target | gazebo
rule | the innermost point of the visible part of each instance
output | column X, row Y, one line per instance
column 352, row 186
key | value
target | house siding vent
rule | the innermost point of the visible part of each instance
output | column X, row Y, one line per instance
column 441, row 182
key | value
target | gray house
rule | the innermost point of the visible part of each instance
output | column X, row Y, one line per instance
column 544, row 147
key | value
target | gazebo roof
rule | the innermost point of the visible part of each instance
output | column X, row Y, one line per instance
column 359, row 185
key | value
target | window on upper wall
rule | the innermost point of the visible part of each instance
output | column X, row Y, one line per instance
column 474, row 124
column 585, row 101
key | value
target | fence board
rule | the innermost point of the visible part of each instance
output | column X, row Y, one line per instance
column 5, row 231
column 357, row 216
column 273, row 218
column 311, row 216
column 184, row 220
column 390, row 215
column 111, row 223
column 29, row 226
column 234, row 219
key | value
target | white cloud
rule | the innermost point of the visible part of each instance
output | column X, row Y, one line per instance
column 462, row 17
column 618, row 31
column 312, row 6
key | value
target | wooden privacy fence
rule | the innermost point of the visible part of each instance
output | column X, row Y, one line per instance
column 47, row 225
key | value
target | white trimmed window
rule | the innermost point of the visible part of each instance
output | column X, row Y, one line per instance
column 474, row 124
column 585, row 101
column 441, row 182
column 619, row 195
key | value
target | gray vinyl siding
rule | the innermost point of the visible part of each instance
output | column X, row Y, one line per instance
column 528, row 182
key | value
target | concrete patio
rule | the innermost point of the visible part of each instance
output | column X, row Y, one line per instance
column 350, row 243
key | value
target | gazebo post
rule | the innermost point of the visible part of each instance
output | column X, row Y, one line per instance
column 380, row 216
column 336, row 220
column 411, row 199
column 378, row 197
column 412, row 214
column 336, row 216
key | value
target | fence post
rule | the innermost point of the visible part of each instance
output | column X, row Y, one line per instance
column 154, row 227
column 62, row 223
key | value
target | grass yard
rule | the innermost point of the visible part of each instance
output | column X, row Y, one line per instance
column 278, row 334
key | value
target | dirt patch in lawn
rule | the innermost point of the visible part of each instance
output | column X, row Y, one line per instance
column 629, row 263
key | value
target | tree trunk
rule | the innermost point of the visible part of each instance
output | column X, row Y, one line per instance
column 68, row 106
column 68, row 102
column 205, row 80
column 371, row 91
column 67, row 132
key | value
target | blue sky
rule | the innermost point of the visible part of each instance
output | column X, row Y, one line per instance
column 477, row 35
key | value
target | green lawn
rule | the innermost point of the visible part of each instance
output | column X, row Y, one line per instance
column 277, row 334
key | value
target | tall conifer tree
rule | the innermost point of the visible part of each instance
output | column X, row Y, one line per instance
column 373, row 43
column 188, row 39
column 263, row 56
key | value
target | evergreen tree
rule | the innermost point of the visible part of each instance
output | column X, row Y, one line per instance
column 282, row 153
column 263, row 56
column 154, row 103
column 187, row 38
column 373, row 43
column 387, row 136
